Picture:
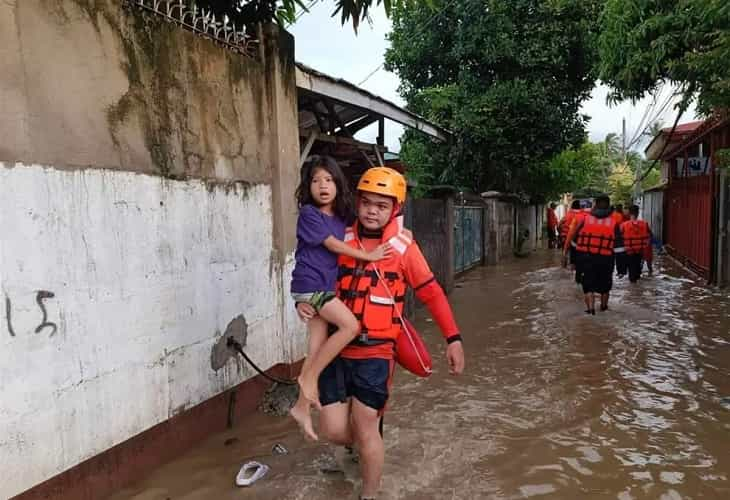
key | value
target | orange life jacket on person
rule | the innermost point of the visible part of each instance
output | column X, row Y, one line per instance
column 377, row 304
column 597, row 236
column 566, row 221
column 618, row 217
column 636, row 236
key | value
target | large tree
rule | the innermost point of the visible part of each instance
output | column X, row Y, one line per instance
column 507, row 77
column 286, row 11
column 644, row 44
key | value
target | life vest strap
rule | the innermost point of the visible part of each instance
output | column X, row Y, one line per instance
column 359, row 342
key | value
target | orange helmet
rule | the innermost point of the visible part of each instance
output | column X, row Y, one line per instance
column 385, row 181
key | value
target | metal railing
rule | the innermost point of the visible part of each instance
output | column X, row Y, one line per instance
column 203, row 23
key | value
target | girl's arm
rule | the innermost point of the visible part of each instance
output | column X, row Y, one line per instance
column 341, row 248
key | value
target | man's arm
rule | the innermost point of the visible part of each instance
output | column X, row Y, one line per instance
column 572, row 233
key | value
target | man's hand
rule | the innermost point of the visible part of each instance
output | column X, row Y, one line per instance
column 565, row 260
column 455, row 357
column 305, row 311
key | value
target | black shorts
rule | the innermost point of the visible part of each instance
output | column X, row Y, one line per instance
column 367, row 380
column 597, row 273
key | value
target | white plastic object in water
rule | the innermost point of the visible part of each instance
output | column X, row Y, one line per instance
column 250, row 473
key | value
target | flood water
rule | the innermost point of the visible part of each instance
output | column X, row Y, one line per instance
column 633, row 403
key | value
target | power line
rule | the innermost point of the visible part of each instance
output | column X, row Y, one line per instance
column 430, row 20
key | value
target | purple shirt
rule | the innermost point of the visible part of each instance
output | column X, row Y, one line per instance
column 316, row 267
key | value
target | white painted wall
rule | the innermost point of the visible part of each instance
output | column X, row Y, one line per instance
column 146, row 273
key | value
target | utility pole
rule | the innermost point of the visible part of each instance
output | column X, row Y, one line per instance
column 623, row 139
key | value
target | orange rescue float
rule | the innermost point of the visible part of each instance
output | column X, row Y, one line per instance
column 411, row 352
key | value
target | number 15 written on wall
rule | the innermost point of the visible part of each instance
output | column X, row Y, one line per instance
column 41, row 295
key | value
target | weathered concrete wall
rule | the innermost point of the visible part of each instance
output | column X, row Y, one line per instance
column 532, row 218
column 500, row 231
column 506, row 217
column 90, row 83
column 147, row 208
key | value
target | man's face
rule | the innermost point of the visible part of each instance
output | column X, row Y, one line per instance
column 374, row 210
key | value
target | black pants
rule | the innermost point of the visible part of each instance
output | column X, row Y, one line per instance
column 597, row 273
column 576, row 260
column 621, row 264
column 634, row 264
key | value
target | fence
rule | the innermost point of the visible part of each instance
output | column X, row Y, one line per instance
column 652, row 211
column 689, row 236
column 468, row 237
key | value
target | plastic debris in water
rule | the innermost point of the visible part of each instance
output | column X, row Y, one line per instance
column 279, row 449
column 250, row 473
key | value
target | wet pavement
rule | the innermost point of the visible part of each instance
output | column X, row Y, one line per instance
column 633, row 403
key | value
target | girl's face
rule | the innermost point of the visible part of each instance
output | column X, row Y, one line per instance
column 323, row 187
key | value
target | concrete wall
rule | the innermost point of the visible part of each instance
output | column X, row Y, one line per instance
column 533, row 218
column 500, row 230
column 506, row 215
column 147, row 207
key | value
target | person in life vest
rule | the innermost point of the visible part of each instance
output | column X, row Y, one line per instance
column 598, row 239
column 552, row 225
column 621, row 262
column 354, row 388
column 564, row 226
column 637, row 242
column 618, row 214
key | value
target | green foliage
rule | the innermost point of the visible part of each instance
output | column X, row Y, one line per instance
column 600, row 168
column 722, row 157
column 620, row 184
column 576, row 168
column 646, row 43
column 507, row 77
column 249, row 12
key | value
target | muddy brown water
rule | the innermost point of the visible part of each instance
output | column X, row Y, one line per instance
column 633, row 403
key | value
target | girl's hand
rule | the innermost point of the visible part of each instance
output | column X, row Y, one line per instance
column 381, row 252
column 305, row 311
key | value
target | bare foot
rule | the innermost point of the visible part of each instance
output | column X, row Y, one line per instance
column 300, row 413
column 309, row 391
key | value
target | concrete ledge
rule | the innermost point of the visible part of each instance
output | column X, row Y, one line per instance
column 133, row 459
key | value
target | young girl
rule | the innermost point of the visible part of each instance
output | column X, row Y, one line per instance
column 325, row 208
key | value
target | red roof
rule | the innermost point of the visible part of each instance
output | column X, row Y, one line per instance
column 683, row 128
column 682, row 131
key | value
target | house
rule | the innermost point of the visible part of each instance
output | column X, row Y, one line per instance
column 693, row 195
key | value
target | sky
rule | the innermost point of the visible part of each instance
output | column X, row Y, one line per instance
column 323, row 44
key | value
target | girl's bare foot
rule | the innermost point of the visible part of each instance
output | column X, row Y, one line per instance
column 300, row 413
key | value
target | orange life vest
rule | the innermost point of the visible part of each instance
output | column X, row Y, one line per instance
column 618, row 217
column 597, row 236
column 375, row 304
column 565, row 223
column 636, row 236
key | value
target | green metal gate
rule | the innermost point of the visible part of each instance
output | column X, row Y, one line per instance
column 468, row 237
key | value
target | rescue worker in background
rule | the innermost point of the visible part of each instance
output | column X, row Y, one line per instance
column 618, row 217
column 618, row 214
column 355, row 387
column 626, row 214
column 552, row 225
column 636, row 235
column 563, row 228
column 598, row 239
